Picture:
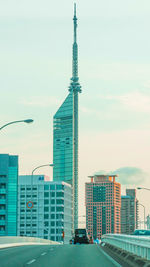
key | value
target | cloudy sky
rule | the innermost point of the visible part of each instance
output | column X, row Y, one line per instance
column 114, row 71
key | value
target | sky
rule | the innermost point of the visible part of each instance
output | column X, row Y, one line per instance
column 114, row 71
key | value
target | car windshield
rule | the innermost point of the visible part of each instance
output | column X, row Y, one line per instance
column 80, row 231
column 142, row 232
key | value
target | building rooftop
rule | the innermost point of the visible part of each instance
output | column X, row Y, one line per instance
column 103, row 177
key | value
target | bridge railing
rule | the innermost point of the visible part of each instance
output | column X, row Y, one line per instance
column 138, row 245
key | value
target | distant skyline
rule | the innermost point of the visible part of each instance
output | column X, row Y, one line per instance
column 114, row 71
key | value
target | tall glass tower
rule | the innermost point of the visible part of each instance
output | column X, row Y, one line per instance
column 65, row 132
column 8, row 194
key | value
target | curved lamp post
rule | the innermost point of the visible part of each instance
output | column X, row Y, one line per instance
column 38, row 167
column 45, row 165
column 12, row 122
column 139, row 188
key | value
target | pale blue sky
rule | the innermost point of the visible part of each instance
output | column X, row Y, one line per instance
column 114, row 71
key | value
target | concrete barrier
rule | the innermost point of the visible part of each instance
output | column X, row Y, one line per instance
column 11, row 241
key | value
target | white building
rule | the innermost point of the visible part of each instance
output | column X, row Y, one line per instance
column 44, row 209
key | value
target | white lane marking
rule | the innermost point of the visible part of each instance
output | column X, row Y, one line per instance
column 43, row 253
column 30, row 262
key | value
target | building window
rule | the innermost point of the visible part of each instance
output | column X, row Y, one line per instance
column 52, row 187
column 60, row 201
column 53, row 201
column 2, row 196
column 99, row 193
column 46, row 216
column 59, row 186
column 22, row 233
column 46, row 187
column 52, row 209
column 59, row 208
column 59, row 194
column 2, row 186
column 59, row 216
column 46, row 209
column 52, row 231
column 52, row 194
column 34, row 210
column 52, row 216
column 46, row 194
column 46, row 201
column 52, row 223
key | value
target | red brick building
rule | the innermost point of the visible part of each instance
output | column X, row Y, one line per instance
column 103, row 205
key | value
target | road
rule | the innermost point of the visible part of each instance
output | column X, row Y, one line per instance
column 54, row 256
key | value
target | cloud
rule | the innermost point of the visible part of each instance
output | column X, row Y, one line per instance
column 130, row 176
column 135, row 101
column 127, row 175
column 41, row 101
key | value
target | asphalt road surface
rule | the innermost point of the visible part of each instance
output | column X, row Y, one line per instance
column 54, row 256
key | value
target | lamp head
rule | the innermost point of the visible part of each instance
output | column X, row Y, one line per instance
column 51, row 165
column 28, row 121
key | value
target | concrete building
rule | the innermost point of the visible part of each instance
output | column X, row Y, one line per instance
column 103, row 204
column 148, row 221
column 8, row 194
column 65, row 133
column 45, row 210
column 129, row 212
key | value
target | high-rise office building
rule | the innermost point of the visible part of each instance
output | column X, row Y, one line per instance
column 148, row 221
column 45, row 209
column 65, row 133
column 103, row 204
column 8, row 194
column 129, row 212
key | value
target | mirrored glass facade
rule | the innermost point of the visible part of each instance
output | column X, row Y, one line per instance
column 63, row 141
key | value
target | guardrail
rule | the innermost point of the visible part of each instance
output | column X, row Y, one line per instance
column 6, row 241
column 138, row 245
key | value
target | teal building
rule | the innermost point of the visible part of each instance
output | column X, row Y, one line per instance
column 65, row 132
column 8, row 194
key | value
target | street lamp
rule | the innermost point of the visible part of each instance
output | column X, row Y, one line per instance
column 139, row 188
column 38, row 167
column 144, row 213
column 12, row 122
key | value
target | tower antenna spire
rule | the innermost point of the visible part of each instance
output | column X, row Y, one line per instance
column 75, row 86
